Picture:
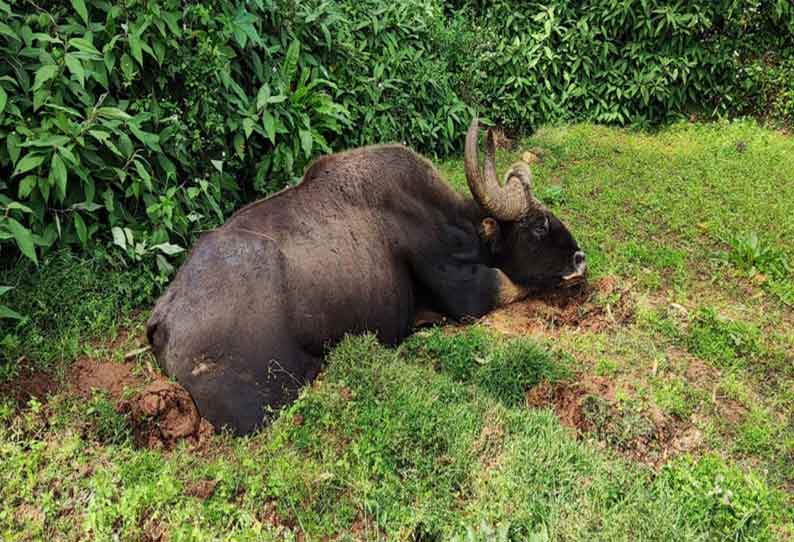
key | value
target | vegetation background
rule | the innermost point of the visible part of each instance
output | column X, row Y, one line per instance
column 127, row 128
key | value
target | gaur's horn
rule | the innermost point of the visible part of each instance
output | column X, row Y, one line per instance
column 509, row 202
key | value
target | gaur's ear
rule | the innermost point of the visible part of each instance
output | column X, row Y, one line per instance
column 491, row 234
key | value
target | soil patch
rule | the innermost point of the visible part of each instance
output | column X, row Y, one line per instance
column 89, row 375
column 588, row 406
column 164, row 414
column 592, row 307
column 203, row 489
column 29, row 383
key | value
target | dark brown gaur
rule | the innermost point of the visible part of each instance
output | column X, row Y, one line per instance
column 370, row 238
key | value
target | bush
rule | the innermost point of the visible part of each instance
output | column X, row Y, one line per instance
column 143, row 122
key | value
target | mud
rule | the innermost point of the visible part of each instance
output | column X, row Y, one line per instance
column 162, row 415
column 88, row 375
column 28, row 384
column 588, row 406
column 202, row 489
column 593, row 307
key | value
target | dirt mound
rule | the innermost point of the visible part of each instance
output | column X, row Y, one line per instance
column 594, row 307
column 164, row 414
column 588, row 406
column 88, row 375
column 29, row 383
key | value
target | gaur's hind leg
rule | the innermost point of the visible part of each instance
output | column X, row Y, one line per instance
column 243, row 399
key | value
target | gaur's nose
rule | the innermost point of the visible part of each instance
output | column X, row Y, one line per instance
column 578, row 259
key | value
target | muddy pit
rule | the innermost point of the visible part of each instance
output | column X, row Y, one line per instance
column 161, row 413
column 593, row 307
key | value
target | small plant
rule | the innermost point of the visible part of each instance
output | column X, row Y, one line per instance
column 764, row 263
column 107, row 424
column 726, row 343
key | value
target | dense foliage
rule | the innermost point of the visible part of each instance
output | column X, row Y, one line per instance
column 128, row 127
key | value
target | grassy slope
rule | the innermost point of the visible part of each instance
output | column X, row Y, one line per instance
column 432, row 439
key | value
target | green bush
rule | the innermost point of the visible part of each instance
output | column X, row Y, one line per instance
column 143, row 122
column 635, row 61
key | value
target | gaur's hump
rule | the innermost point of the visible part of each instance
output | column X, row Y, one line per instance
column 364, row 160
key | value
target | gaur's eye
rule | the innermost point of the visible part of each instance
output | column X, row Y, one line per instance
column 541, row 227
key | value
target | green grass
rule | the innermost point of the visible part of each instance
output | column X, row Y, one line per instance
column 433, row 440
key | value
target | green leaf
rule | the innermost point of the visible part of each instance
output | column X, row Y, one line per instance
column 12, row 144
column 79, row 7
column 147, row 179
column 217, row 164
column 270, row 126
column 291, row 61
column 135, row 47
column 76, row 68
column 127, row 66
column 306, row 142
column 262, row 96
column 4, row 289
column 44, row 74
column 248, row 126
column 79, row 226
column 26, row 186
column 119, row 238
column 5, row 312
column 30, row 161
column 23, row 238
column 113, row 113
column 58, row 173
column 16, row 206
column 150, row 140
column 86, row 47
column 3, row 99
column 168, row 248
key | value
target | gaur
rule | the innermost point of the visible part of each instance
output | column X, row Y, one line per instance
column 368, row 238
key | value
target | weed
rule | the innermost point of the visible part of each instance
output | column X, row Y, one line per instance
column 107, row 424
column 724, row 342
column 676, row 397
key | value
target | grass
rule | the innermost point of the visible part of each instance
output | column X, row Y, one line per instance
column 433, row 440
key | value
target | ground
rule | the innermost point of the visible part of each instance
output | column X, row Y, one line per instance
column 654, row 403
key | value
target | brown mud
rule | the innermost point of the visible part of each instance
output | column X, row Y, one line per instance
column 161, row 413
column 29, row 384
column 591, row 307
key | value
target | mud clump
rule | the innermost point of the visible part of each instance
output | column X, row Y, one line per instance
column 593, row 307
column 163, row 414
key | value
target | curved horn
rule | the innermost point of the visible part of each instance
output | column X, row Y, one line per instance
column 506, row 203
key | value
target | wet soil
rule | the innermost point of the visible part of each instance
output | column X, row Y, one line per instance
column 161, row 413
column 592, row 307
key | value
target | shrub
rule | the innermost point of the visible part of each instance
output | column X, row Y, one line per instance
column 138, row 124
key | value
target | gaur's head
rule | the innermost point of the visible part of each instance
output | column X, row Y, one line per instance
column 527, row 241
